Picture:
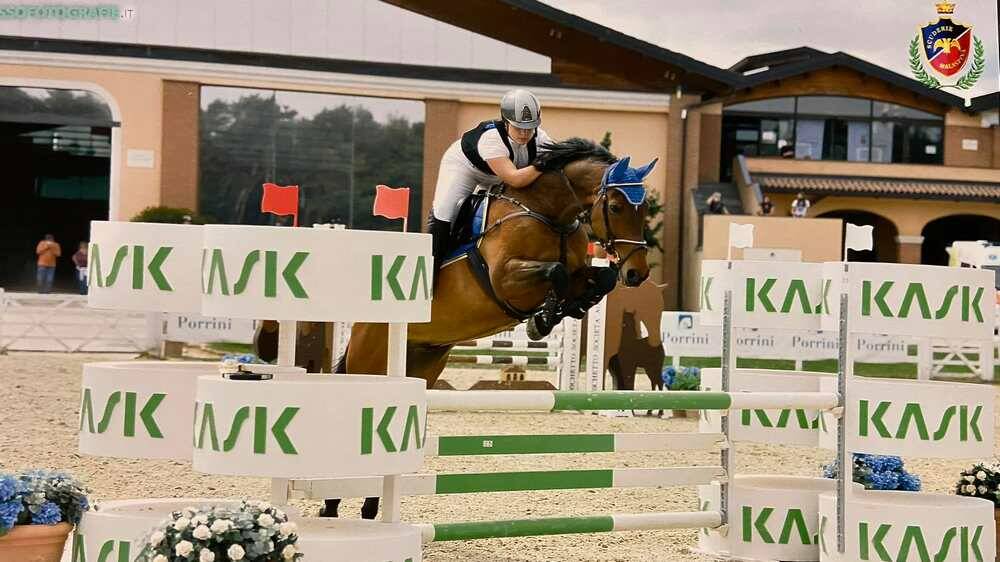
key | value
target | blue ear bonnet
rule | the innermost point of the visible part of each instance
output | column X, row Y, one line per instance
column 627, row 180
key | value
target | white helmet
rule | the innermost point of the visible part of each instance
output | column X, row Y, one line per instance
column 521, row 109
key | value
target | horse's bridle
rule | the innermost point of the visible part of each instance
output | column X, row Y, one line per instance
column 586, row 216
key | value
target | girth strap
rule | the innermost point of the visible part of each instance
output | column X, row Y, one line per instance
column 481, row 271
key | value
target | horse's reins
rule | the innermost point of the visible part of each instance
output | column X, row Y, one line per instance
column 586, row 216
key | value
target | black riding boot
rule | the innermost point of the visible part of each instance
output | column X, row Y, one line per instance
column 440, row 234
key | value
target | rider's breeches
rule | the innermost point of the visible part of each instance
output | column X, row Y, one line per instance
column 455, row 183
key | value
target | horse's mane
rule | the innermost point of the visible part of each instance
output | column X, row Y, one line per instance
column 559, row 154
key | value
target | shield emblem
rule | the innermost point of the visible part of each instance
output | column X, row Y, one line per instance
column 947, row 45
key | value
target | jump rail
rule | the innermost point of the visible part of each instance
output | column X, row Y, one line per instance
column 441, row 532
column 556, row 400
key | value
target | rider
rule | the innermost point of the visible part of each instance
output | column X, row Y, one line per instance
column 493, row 152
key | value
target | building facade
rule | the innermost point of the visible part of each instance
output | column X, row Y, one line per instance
column 196, row 104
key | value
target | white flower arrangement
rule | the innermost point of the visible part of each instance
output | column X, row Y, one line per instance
column 254, row 532
column 982, row 480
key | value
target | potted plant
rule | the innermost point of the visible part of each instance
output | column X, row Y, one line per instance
column 983, row 481
column 38, row 509
column 687, row 378
column 254, row 532
column 878, row 472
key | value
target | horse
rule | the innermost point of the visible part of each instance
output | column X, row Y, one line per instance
column 529, row 263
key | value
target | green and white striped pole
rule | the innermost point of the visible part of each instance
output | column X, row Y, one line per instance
column 569, row 525
column 521, row 481
column 556, row 400
column 470, row 445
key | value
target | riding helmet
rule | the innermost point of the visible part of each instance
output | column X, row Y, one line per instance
column 521, row 109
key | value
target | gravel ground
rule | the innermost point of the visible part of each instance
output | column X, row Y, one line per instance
column 39, row 408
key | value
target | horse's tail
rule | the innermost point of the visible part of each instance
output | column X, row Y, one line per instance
column 341, row 366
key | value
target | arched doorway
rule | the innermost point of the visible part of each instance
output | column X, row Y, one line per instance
column 59, row 142
column 884, row 235
column 940, row 233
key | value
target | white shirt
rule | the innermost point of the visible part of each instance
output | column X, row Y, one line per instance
column 491, row 146
column 457, row 177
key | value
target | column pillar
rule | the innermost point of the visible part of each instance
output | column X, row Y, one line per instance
column 908, row 248
column 673, row 199
column 440, row 130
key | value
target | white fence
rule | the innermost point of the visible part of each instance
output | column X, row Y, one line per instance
column 56, row 322
column 686, row 335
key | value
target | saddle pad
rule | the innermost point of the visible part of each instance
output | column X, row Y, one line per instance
column 475, row 230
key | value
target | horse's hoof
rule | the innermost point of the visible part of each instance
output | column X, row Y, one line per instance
column 369, row 510
column 532, row 329
column 538, row 328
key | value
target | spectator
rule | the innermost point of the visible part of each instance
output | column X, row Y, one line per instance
column 48, row 251
column 800, row 206
column 766, row 207
column 787, row 151
column 80, row 261
column 715, row 204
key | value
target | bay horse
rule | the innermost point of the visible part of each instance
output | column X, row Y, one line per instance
column 530, row 263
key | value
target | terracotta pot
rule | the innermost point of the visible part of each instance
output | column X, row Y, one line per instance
column 35, row 543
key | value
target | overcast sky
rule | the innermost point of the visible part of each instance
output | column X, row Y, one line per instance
column 721, row 32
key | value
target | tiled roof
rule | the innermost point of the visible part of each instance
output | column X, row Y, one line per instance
column 880, row 187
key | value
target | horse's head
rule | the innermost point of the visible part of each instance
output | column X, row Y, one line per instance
column 608, row 194
column 618, row 219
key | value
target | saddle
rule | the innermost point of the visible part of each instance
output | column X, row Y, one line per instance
column 468, row 225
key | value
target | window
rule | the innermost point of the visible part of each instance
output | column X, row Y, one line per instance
column 773, row 105
column 830, row 128
column 335, row 148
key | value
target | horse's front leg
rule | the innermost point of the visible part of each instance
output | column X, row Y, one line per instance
column 588, row 285
column 521, row 281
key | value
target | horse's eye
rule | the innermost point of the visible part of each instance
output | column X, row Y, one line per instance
column 615, row 208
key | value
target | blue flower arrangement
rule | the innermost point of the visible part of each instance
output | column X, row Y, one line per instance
column 241, row 358
column 40, row 497
column 687, row 378
column 878, row 472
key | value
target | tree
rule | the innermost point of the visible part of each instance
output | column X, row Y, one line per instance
column 338, row 151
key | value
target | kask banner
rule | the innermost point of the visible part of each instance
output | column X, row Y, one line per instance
column 912, row 300
column 316, row 274
column 144, row 266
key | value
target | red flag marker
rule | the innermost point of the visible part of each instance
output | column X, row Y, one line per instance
column 281, row 200
column 392, row 203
